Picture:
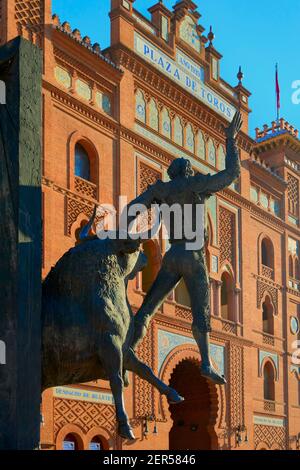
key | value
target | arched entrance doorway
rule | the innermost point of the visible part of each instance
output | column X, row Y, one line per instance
column 192, row 419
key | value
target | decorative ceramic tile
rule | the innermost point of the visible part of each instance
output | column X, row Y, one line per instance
column 215, row 68
column 83, row 90
column 126, row 4
column 168, row 341
column 273, row 356
column 266, row 421
column 164, row 28
column 83, row 395
column 188, row 32
column 63, row 77
column 215, row 264
column 172, row 149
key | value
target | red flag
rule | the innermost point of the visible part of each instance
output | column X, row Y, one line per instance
column 277, row 90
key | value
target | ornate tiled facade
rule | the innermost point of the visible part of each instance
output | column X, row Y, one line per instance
column 154, row 95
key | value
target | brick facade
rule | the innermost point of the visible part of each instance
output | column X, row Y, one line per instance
column 133, row 119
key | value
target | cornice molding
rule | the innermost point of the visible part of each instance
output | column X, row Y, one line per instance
column 89, row 72
column 67, row 100
column 60, row 29
column 257, row 168
column 254, row 210
column 287, row 140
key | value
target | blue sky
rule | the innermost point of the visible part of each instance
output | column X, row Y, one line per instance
column 254, row 35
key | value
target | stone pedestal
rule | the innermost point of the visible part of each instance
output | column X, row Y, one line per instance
column 20, row 244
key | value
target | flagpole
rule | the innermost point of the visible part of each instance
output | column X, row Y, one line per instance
column 277, row 88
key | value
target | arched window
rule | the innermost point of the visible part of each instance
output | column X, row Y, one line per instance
column 153, row 264
column 200, row 146
column 227, row 299
column 291, row 266
column 211, row 153
column 221, row 158
column 268, row 317
column 166, row 123
column 70, row 442
column 267, row 253
column 153, row 115
column 82, row 163
column 140, row 109
column 269, row 382
column 178, row 131
column 181, row 294
column 190, row 139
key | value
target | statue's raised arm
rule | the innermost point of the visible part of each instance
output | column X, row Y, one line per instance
column 223, row 179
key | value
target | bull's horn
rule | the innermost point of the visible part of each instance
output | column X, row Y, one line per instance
column 154, row 229
column 84, row 233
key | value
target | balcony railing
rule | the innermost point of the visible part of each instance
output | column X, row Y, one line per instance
column 86, row 188
column 183, row 312
column 269, row 406
column 268, row 339
column 294, row 284
column 267, row 272
column 229, row 327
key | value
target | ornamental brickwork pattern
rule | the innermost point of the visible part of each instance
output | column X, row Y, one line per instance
column 74, row 209
column 227, row 236
column 262, row 288
column 143, row 391
column 236, row 371
column 274, row 437
column 29, row 13
column 86, row 188
column 148, row 176
column 293, row 195
column 84, row 414
column 30, row 19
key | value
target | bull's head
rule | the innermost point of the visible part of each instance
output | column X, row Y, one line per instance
column 126, row 245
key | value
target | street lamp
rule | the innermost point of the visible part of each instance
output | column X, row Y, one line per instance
column 240, row 430
column 295, row 439
column 145, row 421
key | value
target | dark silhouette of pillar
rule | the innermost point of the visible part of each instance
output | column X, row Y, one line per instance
column 20, row 244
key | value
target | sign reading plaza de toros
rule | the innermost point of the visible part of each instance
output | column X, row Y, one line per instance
column 186, row 73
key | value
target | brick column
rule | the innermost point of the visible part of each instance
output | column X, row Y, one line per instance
column 217, row 299
column 237, row 298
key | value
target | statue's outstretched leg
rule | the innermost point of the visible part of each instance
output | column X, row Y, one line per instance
column 198, row 288
column 132, row 363
column 207, row 369
column 112, row 363
column 161, row 288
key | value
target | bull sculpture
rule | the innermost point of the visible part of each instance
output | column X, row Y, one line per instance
column 87, row 322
